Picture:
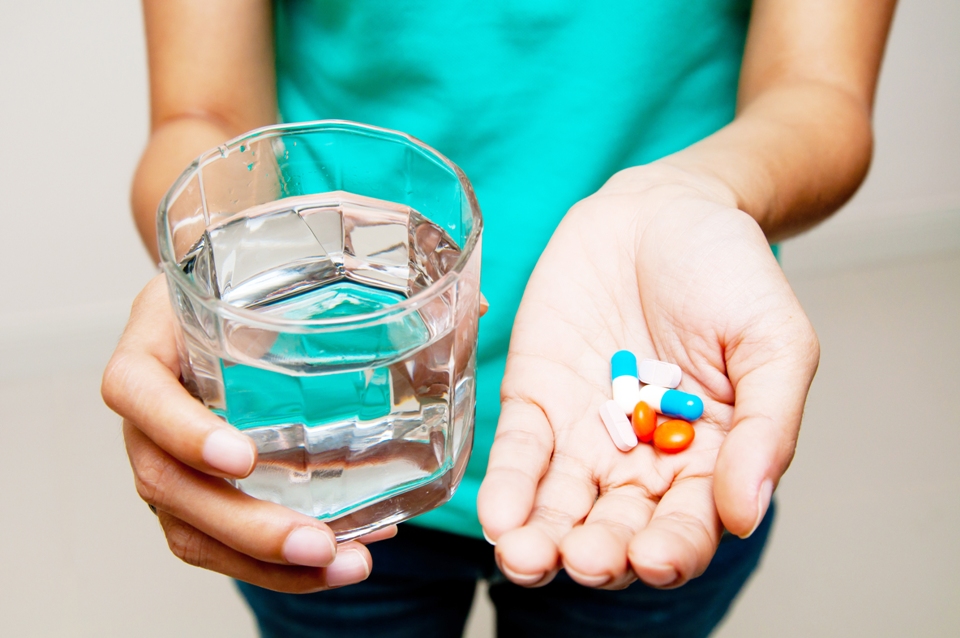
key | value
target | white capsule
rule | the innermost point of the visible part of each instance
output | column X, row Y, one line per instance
column 623, row 373
column 618, row 426
column 661, row 373
column 626, row 393
column 672, row 403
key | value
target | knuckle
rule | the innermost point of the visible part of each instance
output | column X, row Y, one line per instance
column 155, row 479
column 144, row 490
column 187, row 543
column 113, row 380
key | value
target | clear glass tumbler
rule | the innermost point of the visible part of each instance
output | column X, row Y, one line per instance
column 325, row 278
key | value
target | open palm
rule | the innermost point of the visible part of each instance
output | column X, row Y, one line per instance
column 658, row 263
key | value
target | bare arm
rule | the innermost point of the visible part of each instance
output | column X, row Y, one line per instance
column 211, row 78
column 801, row 142
column 679, row 272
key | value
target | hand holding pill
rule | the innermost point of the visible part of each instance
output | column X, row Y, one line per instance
column 676, row 275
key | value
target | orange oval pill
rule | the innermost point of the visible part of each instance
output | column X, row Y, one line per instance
column 673, row 436
column 644, row 421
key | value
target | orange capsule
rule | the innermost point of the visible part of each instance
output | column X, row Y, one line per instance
column 673, row 436
column 644, row 421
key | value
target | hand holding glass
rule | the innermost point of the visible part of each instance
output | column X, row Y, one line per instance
column 325, row 277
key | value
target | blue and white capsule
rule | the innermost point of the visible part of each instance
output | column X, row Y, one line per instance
column 626, row 385
column 672, row 403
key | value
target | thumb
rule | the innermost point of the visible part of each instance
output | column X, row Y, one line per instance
column 771, row 381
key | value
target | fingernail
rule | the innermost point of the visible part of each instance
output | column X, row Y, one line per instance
column 487, row 538
column 309, row 546
column 522, row 579
column 588, row 581
column 659, row 575
column 348, row 567
column 763, row 502
column 484, row 304
column 228, row 452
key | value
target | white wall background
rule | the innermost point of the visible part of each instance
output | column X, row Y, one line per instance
column 74, row 120
column 910, row 203
column 73, row 117
column 81, row 556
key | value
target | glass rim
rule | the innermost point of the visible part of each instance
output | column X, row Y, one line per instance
column 253, row 318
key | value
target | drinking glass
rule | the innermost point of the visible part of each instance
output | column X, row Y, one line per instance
column 325, row 280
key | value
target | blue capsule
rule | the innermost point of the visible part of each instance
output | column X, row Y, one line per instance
column 672, row 403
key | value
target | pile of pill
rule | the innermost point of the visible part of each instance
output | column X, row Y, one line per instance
column 657, row 395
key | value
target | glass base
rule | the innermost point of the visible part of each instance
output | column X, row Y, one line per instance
column 402, row 507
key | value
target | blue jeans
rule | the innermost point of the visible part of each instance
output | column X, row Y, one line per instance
column 423, row 582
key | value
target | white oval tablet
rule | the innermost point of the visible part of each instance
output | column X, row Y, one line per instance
column 618, row 426
column 661, row 373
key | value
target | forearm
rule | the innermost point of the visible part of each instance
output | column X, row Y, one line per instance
column 172, row 146
column 801, row 142
column 792, row 157
column 211, row 79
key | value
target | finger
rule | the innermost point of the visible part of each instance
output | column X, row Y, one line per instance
column 530, row 555
column 353, row 563
column 595, row 554
column 140, row 384
column 767, row 411
column 484, row 305
column 682, row 536
column 518, row 459
column 262, row 530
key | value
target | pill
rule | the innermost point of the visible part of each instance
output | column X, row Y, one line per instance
column 673, row 436
column 672, row 403
column 660, row 373
column 644, row 421
column 618, row 425
column 626, row 386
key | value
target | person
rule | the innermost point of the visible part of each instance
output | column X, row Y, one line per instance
column 634, row 160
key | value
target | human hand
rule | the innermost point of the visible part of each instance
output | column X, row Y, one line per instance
column 659, row 261
column 180, row 453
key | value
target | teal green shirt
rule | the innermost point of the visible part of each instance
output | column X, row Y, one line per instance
column 538, row 101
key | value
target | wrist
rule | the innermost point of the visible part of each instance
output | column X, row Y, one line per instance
column 663, row 196
column 669, row 175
